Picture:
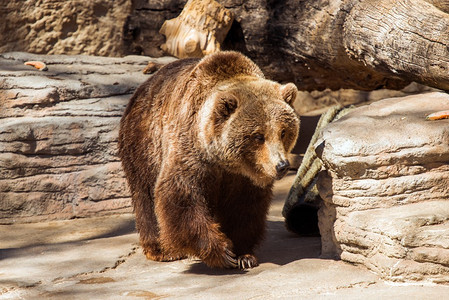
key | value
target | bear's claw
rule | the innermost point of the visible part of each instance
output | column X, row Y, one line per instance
column 221, row 259
column 247, row 261
column 230, row 258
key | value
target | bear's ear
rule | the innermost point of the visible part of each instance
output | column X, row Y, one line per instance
column 226, row 105
column 289, row 92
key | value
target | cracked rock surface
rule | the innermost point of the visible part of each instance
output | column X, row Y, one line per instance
column 99, row 258
column 386, row 188
column 58, row 134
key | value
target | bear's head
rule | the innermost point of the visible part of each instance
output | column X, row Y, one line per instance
column 248, row 126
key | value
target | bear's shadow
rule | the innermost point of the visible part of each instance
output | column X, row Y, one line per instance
column 280, row 247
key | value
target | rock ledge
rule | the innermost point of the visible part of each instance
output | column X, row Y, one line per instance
column 386, row 188
column 58, row 135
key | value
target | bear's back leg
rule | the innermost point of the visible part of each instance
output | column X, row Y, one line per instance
column 140, row 155
column 147, row 226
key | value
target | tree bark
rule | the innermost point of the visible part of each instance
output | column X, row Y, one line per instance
column 409, row 39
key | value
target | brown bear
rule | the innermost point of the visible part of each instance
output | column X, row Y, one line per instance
column 201, row 143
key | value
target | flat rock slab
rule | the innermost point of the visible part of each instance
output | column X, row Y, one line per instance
column 58, row 134
column 386, row 188
column 99, row 258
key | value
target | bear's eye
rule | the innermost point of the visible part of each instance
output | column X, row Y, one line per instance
column 260, row 138
column 282, row 133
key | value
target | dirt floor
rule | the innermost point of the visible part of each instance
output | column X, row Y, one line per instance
column 99, row 258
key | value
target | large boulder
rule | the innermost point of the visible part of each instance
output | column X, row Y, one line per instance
column 58, row 135
column 386, row 188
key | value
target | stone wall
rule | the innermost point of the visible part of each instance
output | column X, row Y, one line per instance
column 386, row 188
column 65, row 27
column 58, row 135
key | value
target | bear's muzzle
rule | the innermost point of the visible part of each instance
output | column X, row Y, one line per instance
column 282, row 168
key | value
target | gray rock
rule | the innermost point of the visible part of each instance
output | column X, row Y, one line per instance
column 58, row 135
column 386, row 188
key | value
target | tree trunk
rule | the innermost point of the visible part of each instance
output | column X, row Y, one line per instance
column 336, row 44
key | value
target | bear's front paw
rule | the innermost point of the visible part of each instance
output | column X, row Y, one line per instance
column 221, row 259
column 247, row 261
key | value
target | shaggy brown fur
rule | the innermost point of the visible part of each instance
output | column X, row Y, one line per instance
column 201, row 143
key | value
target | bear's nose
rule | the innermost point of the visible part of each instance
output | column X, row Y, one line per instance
column 282, row 168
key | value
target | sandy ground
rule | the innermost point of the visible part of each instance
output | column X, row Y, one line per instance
column 99, row 258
